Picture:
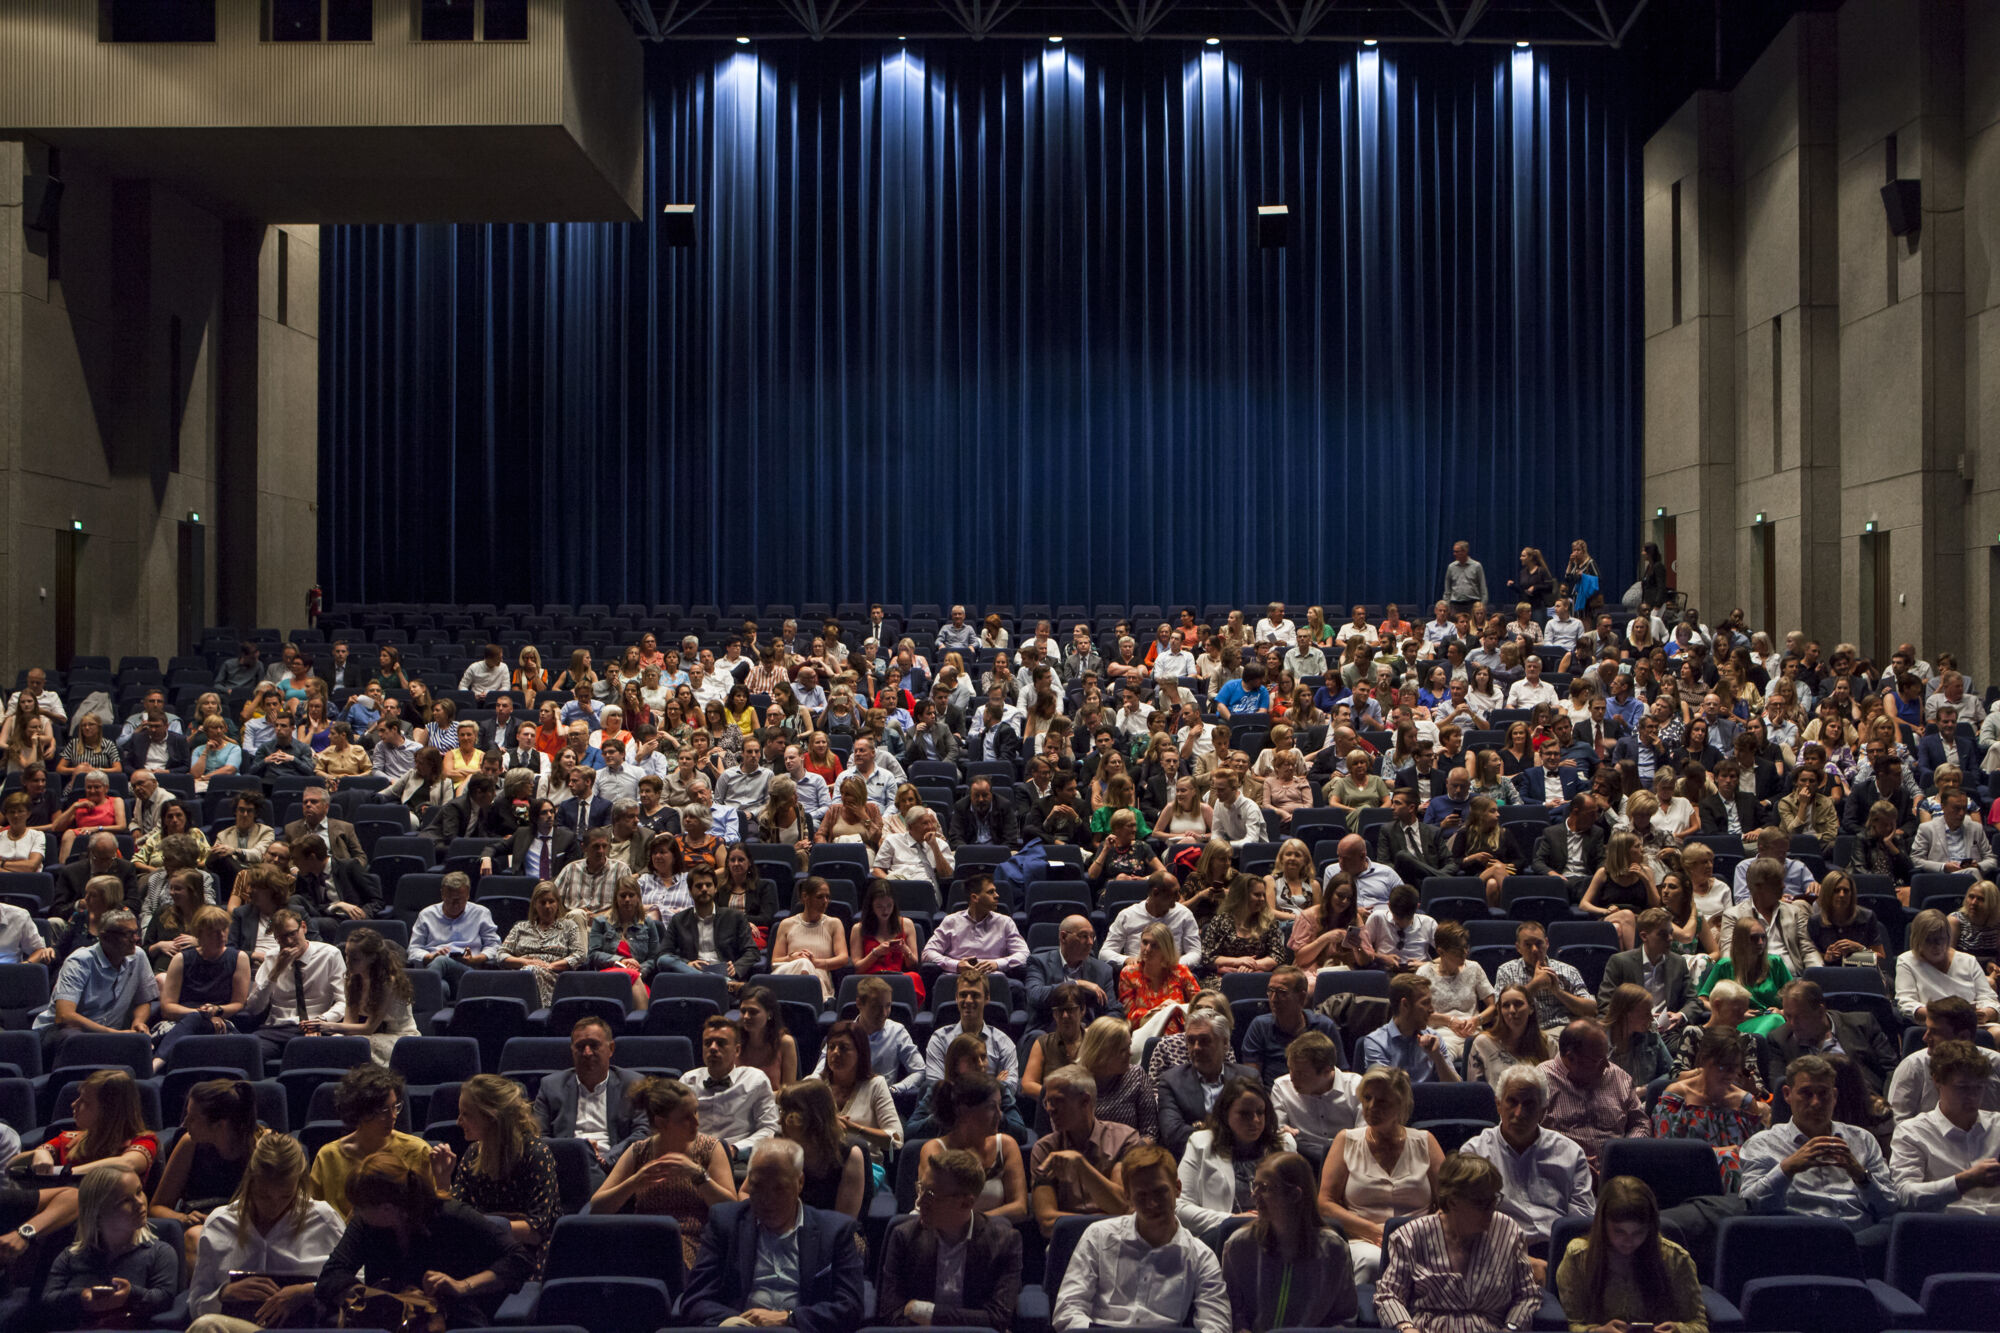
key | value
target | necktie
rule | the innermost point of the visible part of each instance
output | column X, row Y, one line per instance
column 299, row 987
column 544, row 866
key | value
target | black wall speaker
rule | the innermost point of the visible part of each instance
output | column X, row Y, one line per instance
column 1903, row 201
column 1274, row 225
column 677, row 224
column 41, row 202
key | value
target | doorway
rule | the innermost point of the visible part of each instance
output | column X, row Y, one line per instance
column 69, row 551
column 192, row 585
column 1876, row 592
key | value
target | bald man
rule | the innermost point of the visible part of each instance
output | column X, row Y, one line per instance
column 1373, row 881
column 1073, row 959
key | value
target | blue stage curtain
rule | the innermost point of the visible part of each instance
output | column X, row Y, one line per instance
column 988, row 323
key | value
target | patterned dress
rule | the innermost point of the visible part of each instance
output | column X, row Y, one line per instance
column 1723, row 1129
column 679, row 1198
column 528, row 1191
column 1140, row 997
column 562, row 942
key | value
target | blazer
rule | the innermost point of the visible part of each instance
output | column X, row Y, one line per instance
column 1208, row 1182
column 1790, row 935
column 562, row 844
column 355, row 884
column 1854, row 810
column 733, row 939
column 457, row 819
column 133, row 752
column 1533, row 783
column 339, row 835
column 1551, row 855
column 598, row 813
column 1628, row 748
column 1423, row 841
column 1715, row 816
column 71, row 878
column 1928, row 851
column 624, row 1124
column 1006, row 744
column 1861, row 1039
column 1183, row 1106
column 1046, row 971
column 964, row 827
column 1629, row 968
column 1933, row 753
column 829, row 1299
column 988, row 1293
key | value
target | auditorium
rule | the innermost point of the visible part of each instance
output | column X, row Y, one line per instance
column 1027, row 666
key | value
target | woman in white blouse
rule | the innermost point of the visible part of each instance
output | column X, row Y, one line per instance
column 273, row 1226
column 1378, row 1170
column 1931, row 968
column 867, row 1110
column 1221, row 1157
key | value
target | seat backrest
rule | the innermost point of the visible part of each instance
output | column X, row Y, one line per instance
column 487, row 982
column 1921, row 1244
column 1677, row 1169
column 131, row 1050
column 1747, row 1248
column 655, row 1052
column 435, row 1059
column 221, row 1052
column 647, row 1245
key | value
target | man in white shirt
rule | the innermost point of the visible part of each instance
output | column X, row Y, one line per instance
column 20, row 938
column 1949, row 1157
column 301, row 983
column 1174, row 662
column 1544, row 1175
column 1275, row 627
column 1911, row 1089
column 1237, row 818
column 488, row 676
column 37, row 688
column 919, row 852
column 1357, row 627
column 1133, row 712
column 865, row 763
column 1162, row 904
column 1373, row 881
column 735, row 1102
column 710, row 687
column 1531, row 689
column 616, row 781
column 1316, row 1099
column 1143, row 1268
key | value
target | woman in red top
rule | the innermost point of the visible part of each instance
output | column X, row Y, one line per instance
column 1156, row 977
column 882, row 941
column 550, row 738
column 821, row 759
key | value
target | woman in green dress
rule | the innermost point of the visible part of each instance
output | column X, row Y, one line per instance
column 1751, row 965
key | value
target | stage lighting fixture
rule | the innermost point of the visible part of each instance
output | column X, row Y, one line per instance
column 1214, row 41
column 1055, row 39
column 743, row 41
column 1370, row 41
column 1520, row 46
column 1274, row 225
column 677, row 225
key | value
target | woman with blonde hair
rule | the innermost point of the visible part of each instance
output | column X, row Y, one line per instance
column 1292, row 880
column 676, row 1169
column 1245, row 935
column 1155, row 986
column 1125, row 1094
column 1933, row 967
column 1622, row 888
column 1380, row 1169
column 116, row 1273
column 271, row 1228
column 507, row 1169
column 547, row 942
column 852, row 817
column 1976, row 926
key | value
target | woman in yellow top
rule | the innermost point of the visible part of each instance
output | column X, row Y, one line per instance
column 736, row 710
column 1627, row 1274
column 462, row 761
column 367, row 1100
column 342, row 758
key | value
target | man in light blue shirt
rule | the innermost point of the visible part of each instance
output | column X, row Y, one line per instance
column 1373, row 881
column 892, row 1052
column 105, row 988
column 1816, row 1167
column 813, row 795
column 455, row 934
column 958, row 635
column 1776, row 845
column 1406, row 1041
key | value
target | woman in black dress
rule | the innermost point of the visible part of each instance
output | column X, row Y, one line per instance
column 218, row 1130
column 205, row 986
column 836, row 1170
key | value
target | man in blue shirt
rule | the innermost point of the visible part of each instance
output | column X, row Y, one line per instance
column 105, row 988
column 1247, row 695
column 455, row 934
column 1269, row 1034
column 1406, row 1041
column 1447, row 811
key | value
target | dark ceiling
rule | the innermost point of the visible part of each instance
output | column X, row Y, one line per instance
column 1664, row 50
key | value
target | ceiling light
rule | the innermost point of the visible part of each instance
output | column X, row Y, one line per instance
column 1055, row 39
column 1214, row 41
column 1370, row 41
column 743, row 41
column 1520, row 46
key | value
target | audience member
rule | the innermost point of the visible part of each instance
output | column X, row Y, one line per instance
column 1590, row 1099
column 592, row 1100
column 669, row 1166
column 1380, row 1169
column 1625, row 1272
column 1814, row 1166
column 1544, row 1176
column 1119, row 1276
column 1462, row 1267
column 951, row 1264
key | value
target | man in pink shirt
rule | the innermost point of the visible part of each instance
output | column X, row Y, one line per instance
column 979, row 940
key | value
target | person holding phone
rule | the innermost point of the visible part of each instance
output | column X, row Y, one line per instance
column 1627, row 1277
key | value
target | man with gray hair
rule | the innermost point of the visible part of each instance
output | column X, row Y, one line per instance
column 1188, row 1092
column 774, row 1260
column 340, row 837
column 1785, row 920
column 108, row 987
column 1544, row 1175
column 745, row 787
column 617, row 780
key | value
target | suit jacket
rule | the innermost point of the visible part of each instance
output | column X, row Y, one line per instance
column 1933, row 752
column 1182, row 1105
column 1715, row 816
column 964, row 826
column 734, row 941
column 1628, row 748
column 339, row 835
column 133, row 752
column 1854, row 810
column 991, row 1286
column 1045, row 973
column 562, row 844
column 555, row 1109
column 934, row 742
column 1928, row 851
column 72, row 876
column 354, row 883
column 598, row 814
column 1423, row 841
column 1629, row 968
column 1551, row 856
column 1790, row 935
column 829, row 1299
column 1006, row 744
column 275, row 762
column 1860, row 1036
column 456, row 818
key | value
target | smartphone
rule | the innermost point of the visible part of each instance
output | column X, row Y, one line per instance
column 102, row 1292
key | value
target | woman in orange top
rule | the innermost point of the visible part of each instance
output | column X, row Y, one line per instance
column 1153, row 977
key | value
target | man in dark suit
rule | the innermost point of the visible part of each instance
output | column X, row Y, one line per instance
column 1643, row 749
column 1574, row 848
column 332, row 889
column 1655, row 966
column 1810, row 1028
column 474, row 813
column 733, row 948
column 582, row 809
column 154, row 746
column 340, row 669
column 981, row 817
column 1946, row 746
column 1885, row 784
column 100, row 858
column 998, row 740
column 1548, row 776
column 552, row 846
column 818, row 1286
column 1188, row 1092
column 1073, row 959
column 983, row 1279
column 1064, row 801
column 1415, row 848
column 596, row 1092
column 339, row 834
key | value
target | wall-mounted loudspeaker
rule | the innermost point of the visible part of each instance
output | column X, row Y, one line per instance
column 1274, row 225
column 677, row 225
column 1902, row 200
column 41, row 201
